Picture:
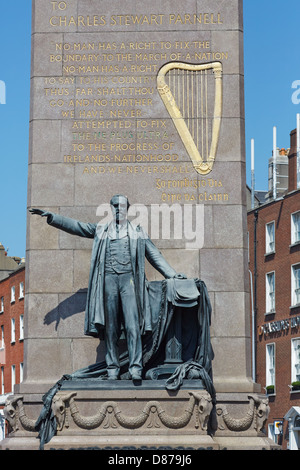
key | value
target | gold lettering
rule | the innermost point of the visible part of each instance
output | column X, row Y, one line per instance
column 133, row 20
column 128, row 20
column 80, row 20
column 200, row 18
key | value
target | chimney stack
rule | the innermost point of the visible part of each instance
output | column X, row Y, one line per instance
column 293, row 162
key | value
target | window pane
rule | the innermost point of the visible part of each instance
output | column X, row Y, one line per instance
column 296, row 285
column 2, row 337
column 296, row 227
column 13, row 377
column 2, row 380
column 270, row 237
column 21, row 326
column 13, row 297
column 270, row 365
column 13, row 330
column 21, row 290
column 296, row 360
column 270, row 292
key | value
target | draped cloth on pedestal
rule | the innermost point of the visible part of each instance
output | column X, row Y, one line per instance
column 165, row 297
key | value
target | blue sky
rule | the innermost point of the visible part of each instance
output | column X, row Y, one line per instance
column 272, row 64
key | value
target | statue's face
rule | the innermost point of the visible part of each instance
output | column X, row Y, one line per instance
column 119, row 208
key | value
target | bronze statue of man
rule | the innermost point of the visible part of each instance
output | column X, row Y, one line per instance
column 117, row 290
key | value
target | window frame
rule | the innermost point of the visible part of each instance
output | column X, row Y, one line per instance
column 21, row 290
column 295, row 363
column 13, row 376
column 267, row 244
column 294, row 302
column 270, row 375
column 12, row 294
column 13, row 330
column 21, row 327
column 268, row 292
column 2, row 381
column 2, row 338
column 293, row 241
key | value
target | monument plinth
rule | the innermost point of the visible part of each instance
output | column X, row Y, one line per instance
column 142, row 99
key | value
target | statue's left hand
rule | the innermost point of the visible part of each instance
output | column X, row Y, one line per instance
column 180, row 276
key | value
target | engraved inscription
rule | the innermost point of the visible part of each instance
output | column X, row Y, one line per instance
column 108, row 98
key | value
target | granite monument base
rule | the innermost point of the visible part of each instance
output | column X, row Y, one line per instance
column 123, row 416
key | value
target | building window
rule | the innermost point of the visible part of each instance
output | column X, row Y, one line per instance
column 21, row 327
column 296, row 360
column 21, row 372
column 2, row 305
column 13, row 294
column 270, row 237
column 296, row 284
column 13, row 330
column 248, row 246
column 2, row 380
column 295, row 228
column 13, row 377
column 270, row 366
column 2, row 337
column 270, row 292
column 271, row 432
column 21, row 290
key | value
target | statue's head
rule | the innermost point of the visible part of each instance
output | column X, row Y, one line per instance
column 119, row 205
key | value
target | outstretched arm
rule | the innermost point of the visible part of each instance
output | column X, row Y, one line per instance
column 72, row 226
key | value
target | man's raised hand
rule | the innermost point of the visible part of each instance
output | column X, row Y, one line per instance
column 39, row 212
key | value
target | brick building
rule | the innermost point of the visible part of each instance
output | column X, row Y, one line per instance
column 274, row 264
column 12, row 284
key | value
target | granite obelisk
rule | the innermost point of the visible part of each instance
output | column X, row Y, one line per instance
column 144, row 99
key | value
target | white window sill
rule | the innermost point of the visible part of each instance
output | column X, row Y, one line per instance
column 270, row 253
column 270, row 394
column 270, row 313
column 294, row 306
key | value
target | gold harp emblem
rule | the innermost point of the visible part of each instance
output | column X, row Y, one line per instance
column 186, row 90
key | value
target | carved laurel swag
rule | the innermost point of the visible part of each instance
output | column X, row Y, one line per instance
column 257, row 414
column 110, row 414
